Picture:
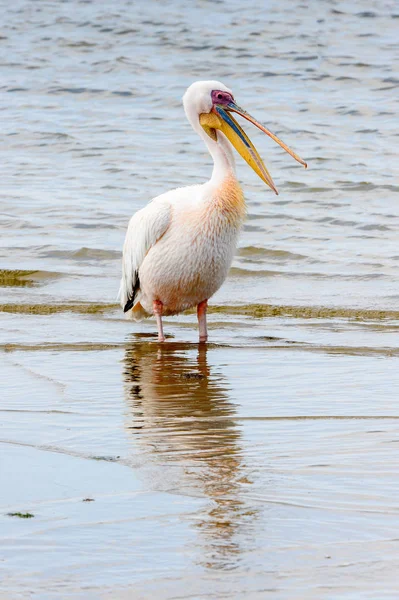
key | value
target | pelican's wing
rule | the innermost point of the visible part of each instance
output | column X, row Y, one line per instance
column 145, row 228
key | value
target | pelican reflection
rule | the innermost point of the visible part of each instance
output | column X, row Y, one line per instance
column 181, row 417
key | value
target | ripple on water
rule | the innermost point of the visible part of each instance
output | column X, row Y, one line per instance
column 83, row 254
column 258, row 311
column 25, row 278
column 269, row 454
column 269, row 254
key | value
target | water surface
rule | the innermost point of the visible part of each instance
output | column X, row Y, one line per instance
column 262, row 465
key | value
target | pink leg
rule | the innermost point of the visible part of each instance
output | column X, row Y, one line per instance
column 201, row 314
column 158, row 309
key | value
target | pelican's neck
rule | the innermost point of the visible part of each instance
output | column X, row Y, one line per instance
column 223, row 159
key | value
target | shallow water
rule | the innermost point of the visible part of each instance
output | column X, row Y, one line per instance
column 264, row 465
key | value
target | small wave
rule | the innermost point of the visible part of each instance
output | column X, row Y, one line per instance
column 366, row 186
column 61, row 347
column 269, row 253
column 294, row 184
column 122, row 93
column 375, row 227
column 88, row 91
column 339, row 222
column 44, row 135
column 80, row 44
column 25, row 278
column 306, row 312
column 258, row 311
column 345, row 78
column 83, row 254
column 85, row 308
column 127, row 32
column 238, row 272
column 71, row 90
column 93, row 225
column 95, row 253
column 304, row 58
column 367, row 14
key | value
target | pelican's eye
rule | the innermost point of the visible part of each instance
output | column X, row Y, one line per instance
column 221, row 98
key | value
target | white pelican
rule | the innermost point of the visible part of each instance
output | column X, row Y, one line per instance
column 178, row 248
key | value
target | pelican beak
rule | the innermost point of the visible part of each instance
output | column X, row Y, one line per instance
column 220, row 118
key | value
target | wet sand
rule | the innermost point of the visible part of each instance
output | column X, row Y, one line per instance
column 255, row 466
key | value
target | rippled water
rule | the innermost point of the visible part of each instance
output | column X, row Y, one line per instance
column 264, row 465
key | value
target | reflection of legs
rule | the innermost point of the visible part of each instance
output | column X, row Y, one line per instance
column 202, row 363
column 158, row 308
column 201, row 314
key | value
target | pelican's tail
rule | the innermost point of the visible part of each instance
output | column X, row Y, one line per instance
column 137, row 313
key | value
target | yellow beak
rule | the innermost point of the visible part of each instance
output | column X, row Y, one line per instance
column 220, row 118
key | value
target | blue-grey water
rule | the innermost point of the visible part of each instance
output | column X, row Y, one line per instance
column 262, row 466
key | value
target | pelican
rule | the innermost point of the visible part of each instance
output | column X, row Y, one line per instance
column 178, row 248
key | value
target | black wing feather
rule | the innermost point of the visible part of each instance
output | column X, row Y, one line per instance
column 129, row 304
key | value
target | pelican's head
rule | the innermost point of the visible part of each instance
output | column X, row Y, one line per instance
column 212, row 103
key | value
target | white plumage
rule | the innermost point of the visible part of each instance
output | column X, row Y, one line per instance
column 178, row 248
